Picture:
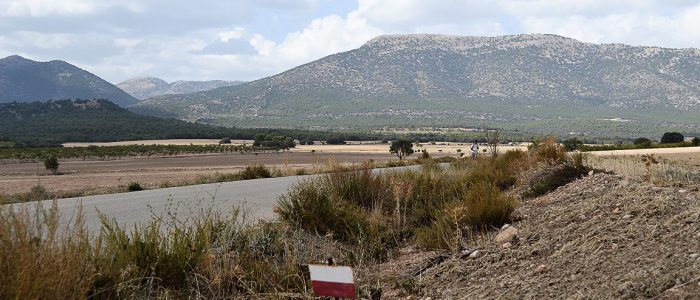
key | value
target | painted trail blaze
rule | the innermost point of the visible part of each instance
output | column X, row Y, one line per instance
column 332, row 281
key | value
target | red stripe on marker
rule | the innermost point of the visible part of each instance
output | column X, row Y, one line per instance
column 332, row 281
column 333, row 289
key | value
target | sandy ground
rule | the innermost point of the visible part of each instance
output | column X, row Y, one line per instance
column 681, row 150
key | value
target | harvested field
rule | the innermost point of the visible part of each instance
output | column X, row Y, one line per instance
column 94, row 176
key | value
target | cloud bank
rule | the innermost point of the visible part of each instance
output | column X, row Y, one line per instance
column 247, row 39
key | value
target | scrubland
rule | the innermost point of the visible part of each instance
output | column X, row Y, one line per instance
column 541, row 223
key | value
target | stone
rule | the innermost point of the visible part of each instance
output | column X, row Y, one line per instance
column 475, row 254
column 682, row 191
column 541, row 269
column 590, row 173
column 505, row 226
column 693, row 255
column 627, row 216
column 624, row 183
column 507, row 245
column 616, row 210
column 506, row 235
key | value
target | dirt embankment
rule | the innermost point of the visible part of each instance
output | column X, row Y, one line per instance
column 602, row 236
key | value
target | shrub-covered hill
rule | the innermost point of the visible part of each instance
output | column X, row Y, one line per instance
column 25, row 80
column 55, row 122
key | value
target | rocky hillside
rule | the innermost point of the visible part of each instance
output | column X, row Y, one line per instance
column 603, row 236
column 24, row 80
column 147, row 87
column 462, row 81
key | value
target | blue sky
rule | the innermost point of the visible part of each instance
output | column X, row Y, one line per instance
column 248, row 39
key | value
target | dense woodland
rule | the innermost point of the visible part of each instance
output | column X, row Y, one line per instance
column 49, row 124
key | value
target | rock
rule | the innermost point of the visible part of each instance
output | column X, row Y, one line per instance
column 507, row 235
column 627, row 216
column 616, row 210
column 541, row 269
column 590, row 173
column 693, row 255
column 507, row 245
column 624, row 183
column 615, row 246
column 505, row 226
column 475, row 254
column 682, row 191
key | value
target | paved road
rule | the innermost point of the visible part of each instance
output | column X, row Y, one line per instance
column 258, row 196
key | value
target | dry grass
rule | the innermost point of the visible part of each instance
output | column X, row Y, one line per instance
column 673, row 169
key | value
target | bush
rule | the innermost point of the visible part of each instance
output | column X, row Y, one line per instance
column 642, row 141
column 226, row 140
column 572, row 144
column 51, row 163
column 482, row 208
column 572, row 169
column 696, row 141
column 255, row 172
column 672, row 137
column 134, row 187
column 548, row 151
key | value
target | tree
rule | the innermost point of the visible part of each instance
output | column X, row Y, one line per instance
column 672, row 137
column 572, row 144
column 493, row 137
column 696, row 141
column 51, row 163
column 401, row 148
column 642, row 142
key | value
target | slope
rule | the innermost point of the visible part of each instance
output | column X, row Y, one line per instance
column 527, row 81
column 147, row 87
column 24, row 80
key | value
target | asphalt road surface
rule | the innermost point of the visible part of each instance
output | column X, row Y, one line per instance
column 258, row 197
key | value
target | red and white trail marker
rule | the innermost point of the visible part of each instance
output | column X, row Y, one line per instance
column 332, row 281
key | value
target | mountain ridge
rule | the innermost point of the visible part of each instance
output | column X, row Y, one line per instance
column 462, row 81
column 26, row 80
column 146, row 87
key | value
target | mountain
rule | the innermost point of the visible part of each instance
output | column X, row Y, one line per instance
column 535, row 82
column 147, row 87
column 55, row 122
column 24, row 80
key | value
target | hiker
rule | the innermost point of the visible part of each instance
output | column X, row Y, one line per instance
column 475, row 150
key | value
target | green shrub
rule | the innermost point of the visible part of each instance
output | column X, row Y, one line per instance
column 51, row 163
column 696, row 141
column 134, row 186
column 672, row 137
column 483, row 207
column 313, row 207
column 255, row 172
column 557, row 176
column 572, row 144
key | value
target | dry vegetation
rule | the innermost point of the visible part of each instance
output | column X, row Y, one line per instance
column 432, row 232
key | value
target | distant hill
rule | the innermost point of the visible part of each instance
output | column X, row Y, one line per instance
column 147, row 87
column 55, row 122
column 24, row 80
column 535, row 82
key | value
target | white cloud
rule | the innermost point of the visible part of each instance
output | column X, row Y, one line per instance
column 222, row 40
column 233, row 34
